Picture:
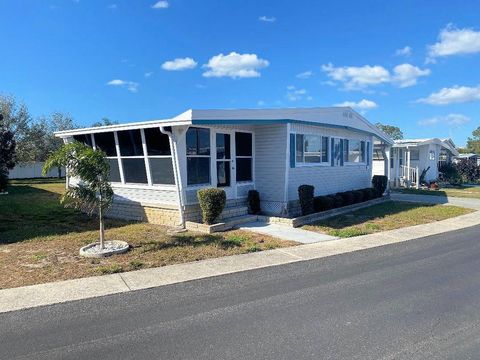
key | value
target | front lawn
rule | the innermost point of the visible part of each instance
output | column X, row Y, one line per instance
column 386, row 216
column 39, row 240
column 459, row 191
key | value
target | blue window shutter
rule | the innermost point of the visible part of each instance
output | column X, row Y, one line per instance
column 341, row 152
column 332, row 157
column 292, row 150
column 368, row 152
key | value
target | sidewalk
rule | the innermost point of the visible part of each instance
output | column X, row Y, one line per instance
column 436, row 199
column 63, row 291
column 286, row 232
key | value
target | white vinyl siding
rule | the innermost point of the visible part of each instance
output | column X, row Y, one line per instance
column 329, row 179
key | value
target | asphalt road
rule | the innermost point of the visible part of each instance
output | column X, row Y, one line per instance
column 414, row 300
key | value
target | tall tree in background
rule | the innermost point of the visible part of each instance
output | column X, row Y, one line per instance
column 35, row 139
column 7, row 154
column 473, row 143
column 393, row 131
column 104, row 122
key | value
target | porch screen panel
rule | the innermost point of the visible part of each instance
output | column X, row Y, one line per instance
column 198, row 156
column 84, row 139
column 106, row 143
column 132, row 157
column 159, row 157
column 244, row 156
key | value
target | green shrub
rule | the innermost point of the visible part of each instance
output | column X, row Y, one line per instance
column 3, row 180
column 357, row 196
column 337, row 201
column 379, row 183
column 323, row 203
column 212, row 201
column 253, row 202
column 450, row 174
column 347, row 197
column 305, row 195
column 368, row 194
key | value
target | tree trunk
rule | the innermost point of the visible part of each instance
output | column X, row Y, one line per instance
column 102, row 229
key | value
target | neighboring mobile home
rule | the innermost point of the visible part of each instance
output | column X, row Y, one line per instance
column 158, row 166
column 409, row 158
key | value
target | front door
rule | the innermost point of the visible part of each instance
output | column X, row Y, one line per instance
column 224, row 168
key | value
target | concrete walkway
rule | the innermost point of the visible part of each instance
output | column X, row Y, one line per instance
column 63, row 291
column 435, row 199
column 286, row 232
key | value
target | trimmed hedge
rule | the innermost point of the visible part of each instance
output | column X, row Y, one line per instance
column 305, row 195
column 212, row 201
column 253, row 202
column 379, row 183
column 323, row 203
column 347, row 198
column 357, row 196
column 328, row 202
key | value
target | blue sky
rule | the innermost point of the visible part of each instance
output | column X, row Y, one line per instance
column 414, row 64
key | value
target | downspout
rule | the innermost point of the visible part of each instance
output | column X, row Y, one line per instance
column 176, row 173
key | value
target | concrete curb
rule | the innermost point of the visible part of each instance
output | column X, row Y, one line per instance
column 77, row 289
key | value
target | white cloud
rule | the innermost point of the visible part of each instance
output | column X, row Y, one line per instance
column 294, row 94
column 452, row 120
column 179, row 64
column 267, row 18
column 305, row 75
column 162, row 4
column 453, row 95
column 129, row 85
column 148, row 74
column 355, row 78
column 453, row 41
column 362, row 105
column 405, row 51
column 406, row 75
column 361, row 77
column 234, row 65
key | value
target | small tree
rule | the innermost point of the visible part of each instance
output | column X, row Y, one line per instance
column 7, row 154
column 93, row 191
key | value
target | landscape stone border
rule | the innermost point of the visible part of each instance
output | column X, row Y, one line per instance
column 112, row 247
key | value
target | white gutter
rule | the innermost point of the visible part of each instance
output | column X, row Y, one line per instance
column 176, row 173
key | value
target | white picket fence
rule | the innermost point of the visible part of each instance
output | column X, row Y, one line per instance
column 32, row 170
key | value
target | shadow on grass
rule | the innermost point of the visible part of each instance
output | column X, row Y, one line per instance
column 28, row 212
column 191, row 241
column 437, row 193
column 361, row 216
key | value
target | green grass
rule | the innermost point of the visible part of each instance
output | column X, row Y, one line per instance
column 387, row 216
column 459, row 191
column 40, row 239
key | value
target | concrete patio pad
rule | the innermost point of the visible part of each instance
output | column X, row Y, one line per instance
column 286, row 232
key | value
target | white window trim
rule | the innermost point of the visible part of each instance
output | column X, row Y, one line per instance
column 308, row 164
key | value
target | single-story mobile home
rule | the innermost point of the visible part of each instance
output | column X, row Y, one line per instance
column 405, row 161
column 157, row 167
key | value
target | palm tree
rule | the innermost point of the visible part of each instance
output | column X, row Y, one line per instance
column 92, row 191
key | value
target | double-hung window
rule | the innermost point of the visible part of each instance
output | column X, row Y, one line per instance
column 354, row 151
column 311, row 149
column 106, row 142
column 198, row 156
column 244, row 156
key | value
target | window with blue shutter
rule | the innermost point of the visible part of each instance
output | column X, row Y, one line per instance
column 342, row 157
column 368, row 152
column 292, row 150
